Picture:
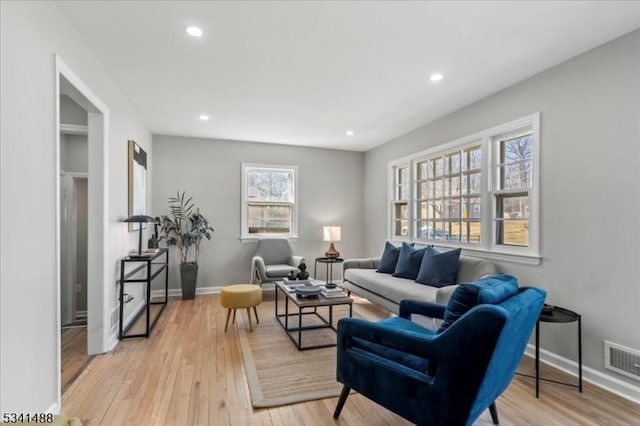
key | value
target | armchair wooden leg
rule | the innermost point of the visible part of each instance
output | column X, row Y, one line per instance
column 256, row 313
column 343, row 398
column 233, row 321
column 494, row 413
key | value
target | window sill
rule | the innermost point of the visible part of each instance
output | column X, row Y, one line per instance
column 255, row 238
column 499, row 256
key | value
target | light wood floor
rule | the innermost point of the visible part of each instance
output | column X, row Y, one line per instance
column 74, row 356
column 189, row 372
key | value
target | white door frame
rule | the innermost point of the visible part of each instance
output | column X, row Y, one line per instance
column 68, row 82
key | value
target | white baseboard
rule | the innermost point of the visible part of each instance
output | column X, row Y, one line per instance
column 175, row 292
column 54, row 408
column 591, row 375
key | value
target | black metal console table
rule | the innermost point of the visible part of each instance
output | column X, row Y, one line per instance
column 150, row 268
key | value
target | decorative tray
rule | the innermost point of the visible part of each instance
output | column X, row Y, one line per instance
column 308, row 291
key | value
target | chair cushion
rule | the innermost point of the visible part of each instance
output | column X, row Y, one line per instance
column 491, row 290
column 408, row 360
column 389, row 258
column 439, row 269
column 409, row 261
column 279, row 270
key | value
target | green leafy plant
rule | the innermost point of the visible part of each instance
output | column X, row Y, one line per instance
column 184, row 228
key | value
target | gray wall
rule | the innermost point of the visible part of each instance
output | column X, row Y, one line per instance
column 71, row 112
column 590, row 194
column 30, row 34
column 74, row 153
column 330, row 185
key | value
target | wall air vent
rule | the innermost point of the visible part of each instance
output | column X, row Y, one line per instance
column 622, row 360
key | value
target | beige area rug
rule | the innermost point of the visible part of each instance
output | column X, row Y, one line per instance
column 279, row 374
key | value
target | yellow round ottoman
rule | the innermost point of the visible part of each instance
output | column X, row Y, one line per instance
column 239, row 296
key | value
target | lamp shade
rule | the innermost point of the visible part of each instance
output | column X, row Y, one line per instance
column 331, row 233
column 140, row 218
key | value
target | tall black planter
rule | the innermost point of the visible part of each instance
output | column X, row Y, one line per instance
column 188, row 278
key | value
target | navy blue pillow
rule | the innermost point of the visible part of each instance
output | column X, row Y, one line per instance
column 439, row 269
column 491, row 290
column 389, row 258
column 409, row 261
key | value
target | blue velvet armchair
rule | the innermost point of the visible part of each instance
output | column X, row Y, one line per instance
column 444, row 377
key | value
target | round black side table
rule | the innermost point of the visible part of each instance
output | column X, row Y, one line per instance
column 329, row 261
column 557, row 314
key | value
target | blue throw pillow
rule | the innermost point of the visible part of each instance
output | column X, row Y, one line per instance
column 491, row 290
column 409, row 261
column 439, row 269
column 389, row 258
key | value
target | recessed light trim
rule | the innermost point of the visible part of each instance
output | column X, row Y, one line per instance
column 194, row 31
column 204, row 117
column 349, row 132
column 435, row 77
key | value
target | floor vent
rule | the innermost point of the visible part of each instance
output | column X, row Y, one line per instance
column 622, row 360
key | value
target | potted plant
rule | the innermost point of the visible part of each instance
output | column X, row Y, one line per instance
column 185, row 229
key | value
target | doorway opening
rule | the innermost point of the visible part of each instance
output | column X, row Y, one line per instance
column 81, row 165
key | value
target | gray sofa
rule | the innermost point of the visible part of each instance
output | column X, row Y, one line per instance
column 386, row 291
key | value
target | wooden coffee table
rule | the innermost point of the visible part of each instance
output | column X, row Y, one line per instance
column 307, row 306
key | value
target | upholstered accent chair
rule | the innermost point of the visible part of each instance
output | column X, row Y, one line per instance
column 444, row 377
column 273, row 260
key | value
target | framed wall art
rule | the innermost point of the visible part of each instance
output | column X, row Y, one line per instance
column 137, row 183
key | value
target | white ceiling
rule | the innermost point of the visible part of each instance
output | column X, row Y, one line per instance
column 303, row 73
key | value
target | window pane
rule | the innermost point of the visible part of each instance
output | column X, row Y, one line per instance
column 454, row 231
column 421, row 210
column 403, row 191
column 269, row 219
column 403, row 175
column 439, row 190
column 270, row 185
column 431, row 189
column 422, row 192
column 517, row 150
column 513, row 207
column 474, row 229
column 473, row 210
column 513, row 232
column 438, row 167
column 515, row 176
column 402, row 227
column 435, row 209
column 465, row 157
column 455, row 163
column 453, row 186
column 452, row 208
column 422, row 170
column 401, row 211
column 422, row 229
column 475, row 158
column 474, row 183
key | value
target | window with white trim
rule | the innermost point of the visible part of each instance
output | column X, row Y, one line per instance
column 479, row 192
column 400, row 204
column 269, row 201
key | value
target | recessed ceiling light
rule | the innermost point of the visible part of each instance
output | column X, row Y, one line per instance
column 435, row 77
column 194, row 31
column 349, row 132
column 204, row 117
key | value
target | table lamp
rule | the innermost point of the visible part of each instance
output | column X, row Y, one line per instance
column 331, row 234
column 140, row 219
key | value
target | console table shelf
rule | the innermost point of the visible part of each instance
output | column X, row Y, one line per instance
column 150, row 267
